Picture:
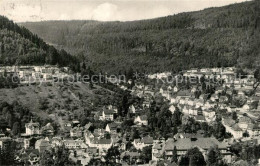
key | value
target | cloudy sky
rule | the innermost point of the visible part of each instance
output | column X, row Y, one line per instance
column 109, row 10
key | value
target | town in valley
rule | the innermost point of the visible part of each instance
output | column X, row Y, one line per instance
column 129, row 83
column 159, row 119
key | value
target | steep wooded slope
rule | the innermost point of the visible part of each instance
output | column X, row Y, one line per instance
column 19, row 45
column 223, row 36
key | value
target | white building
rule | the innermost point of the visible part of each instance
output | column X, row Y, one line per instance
column 32, row 128
column 141, row 120
column 141, row 143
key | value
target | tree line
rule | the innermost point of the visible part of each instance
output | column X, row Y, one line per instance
column 20, row 46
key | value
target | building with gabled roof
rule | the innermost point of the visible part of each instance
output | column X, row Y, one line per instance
column 244, row 122
column 112, row 128
column 74, row 144
column 254, row 130
column 172, row 108
column 204, row 144
column 232, row 128
column 32, row 128
column 42, row 145
column 76, row 132
column 107, row 115
column 158, row 150
column 143, row 142
column 102, row 144
column 47, row 130
column 141, row 120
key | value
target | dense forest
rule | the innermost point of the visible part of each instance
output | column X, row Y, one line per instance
column 223, row 36
column 19, row 46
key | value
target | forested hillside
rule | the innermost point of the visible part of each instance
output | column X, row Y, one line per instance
column 224, row 36
column 19, row 46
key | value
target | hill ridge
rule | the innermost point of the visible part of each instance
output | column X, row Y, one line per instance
column 222, row 36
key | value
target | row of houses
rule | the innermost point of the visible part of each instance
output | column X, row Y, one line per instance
column 34, row 73
column 244, row 125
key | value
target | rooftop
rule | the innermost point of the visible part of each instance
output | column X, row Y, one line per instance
column 187, row 143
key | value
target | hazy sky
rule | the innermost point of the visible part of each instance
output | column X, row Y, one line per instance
column 109, row 10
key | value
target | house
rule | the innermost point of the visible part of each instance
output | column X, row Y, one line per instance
column 204, row 70
column 47, row 130
column 199, row 103
column 74, row 144
column 223, row 99
column 185, row 110
column 183, row 145
column 158, row 150
column 76, row 132
column 134, row 156
column 181, row 135
column 92, row 151
column 229, row 91
column 88, row 136
column 169, row 88
column 102, row 144
column 192, row 111
column 112, row 128
column 67, row 125
column 172, row 109
column 174, row 99
column 209, row 104
column 214, row 97
column 253, row 130
column 194, row 89
column 141, row 120
column 204, row 97
column 26, row 143
column 19, row 143
column 257, row 92
column 208, row 113
column 114, row 108
column 42, row 145
column 107, row 115
column 240, row 93
column 252, row 100
column 232, row 128
column 32, row 128
column 231, row 108
column 132, row 109
column 244, row 122
column 183, row 100
column 246, row 107
column 141, row 143
column 191, row 102
column 56, row 141
column 164, row 91
column 146, row 104
column 99, row 133
column 75, row 123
